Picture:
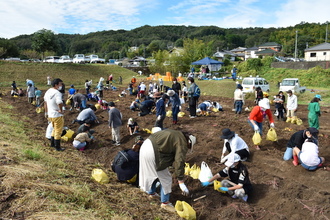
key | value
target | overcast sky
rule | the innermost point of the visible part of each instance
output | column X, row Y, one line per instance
column 84, row 16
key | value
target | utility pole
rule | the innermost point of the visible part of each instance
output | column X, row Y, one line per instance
column 296, row 45
column 326, row 33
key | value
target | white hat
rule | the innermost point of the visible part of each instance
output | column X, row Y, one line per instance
column 170, row 92
column 155, row 129
column 232, row 159
column 264, row 103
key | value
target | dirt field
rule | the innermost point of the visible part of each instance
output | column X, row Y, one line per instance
column 281, row 191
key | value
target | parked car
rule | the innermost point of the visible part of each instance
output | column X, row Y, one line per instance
column 95, row 59
column 291, row 84
column 52, row 59
column 78, row 58
column 249, row 84
column 65, row 59
column 13, row 59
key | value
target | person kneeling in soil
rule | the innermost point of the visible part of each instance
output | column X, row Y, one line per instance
column 132, row 126
column 126, row 163
column 82, row 139
column 238, row 185
column 308, row 156
column 233, row 144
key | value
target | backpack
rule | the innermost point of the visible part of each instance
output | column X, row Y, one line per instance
column 121, row 158
column 197, row 92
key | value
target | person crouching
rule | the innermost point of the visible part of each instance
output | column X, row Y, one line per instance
column 82, row 139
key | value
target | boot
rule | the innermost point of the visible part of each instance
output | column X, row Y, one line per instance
column 58, row 145
column 295, row 161
column 52, row 142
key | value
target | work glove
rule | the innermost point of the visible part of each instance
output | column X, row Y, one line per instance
column 184, row 189
column 224, row 189
column 255, row 127
column 205, row 183
column 272, row 125
column 159, row 117
column 166, row 105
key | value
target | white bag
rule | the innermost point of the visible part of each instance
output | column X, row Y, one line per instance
column 182, row 100
column 205, row 173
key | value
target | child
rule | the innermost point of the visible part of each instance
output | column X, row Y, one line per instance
column 38, row 95
column 132, row 126
column 82, row 139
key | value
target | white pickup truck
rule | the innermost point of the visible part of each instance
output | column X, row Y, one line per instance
column 291, row 84
column 95, row 59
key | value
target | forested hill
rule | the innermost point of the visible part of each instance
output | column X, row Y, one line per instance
column 115, row 44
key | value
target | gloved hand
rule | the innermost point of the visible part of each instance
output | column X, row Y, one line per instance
column 46, row 115
column 205, row 183
column 158, row 118
column 255, row 127
column 272, row 125
column 184, row 189
column 224, row 189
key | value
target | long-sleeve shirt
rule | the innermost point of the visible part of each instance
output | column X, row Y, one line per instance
column 115, row 118
column 160, row 107
column 238, row 95
column 292, row 102
column 257, row 115
column 175, row 100
column 87, row 113
column 82, row 137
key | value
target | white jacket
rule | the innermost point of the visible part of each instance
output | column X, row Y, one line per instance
column 292, row 102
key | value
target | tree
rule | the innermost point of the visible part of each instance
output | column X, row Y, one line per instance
column 44, row 40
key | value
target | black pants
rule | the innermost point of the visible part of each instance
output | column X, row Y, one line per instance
column 192, row 105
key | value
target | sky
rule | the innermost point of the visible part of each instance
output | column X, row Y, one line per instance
column 20, row 17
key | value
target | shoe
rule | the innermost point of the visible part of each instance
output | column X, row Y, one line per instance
column 234, row 197
column 113, row 142
column 245, row 198
column 154, row 196
column 117, row 144
column 192, row 116
column 136, row 132
column 60, row 149
column 295, row 163
column 168, row 206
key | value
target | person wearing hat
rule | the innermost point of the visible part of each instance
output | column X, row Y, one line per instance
column 234, row 145
column 238, row 99
column 234, row 73
column 259, row 95
column 160, row 111
column 161, row 150
column 129, row 170
column 291, row 105
column 297, row 140
column 258, row 114
column 308, row 156
column 176, row 86
column 132, row 126
column 115, row 123
column 238, row 184
column 176, row 104
column 314, row 112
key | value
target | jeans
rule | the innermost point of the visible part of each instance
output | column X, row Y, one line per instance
column 288, row 154
column 175, row 112
column 238, row 106
column 259, row 125
column 83, row 104
column 163, row 197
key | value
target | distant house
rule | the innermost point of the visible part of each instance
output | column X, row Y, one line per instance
column 266, row 52
column 136, row 61
column 319, row 52
column 221, row 55
column 251, row 52
column 178, row 51
column 270, row 45
column 240, row 52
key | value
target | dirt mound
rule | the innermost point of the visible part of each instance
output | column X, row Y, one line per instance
column 281, row 191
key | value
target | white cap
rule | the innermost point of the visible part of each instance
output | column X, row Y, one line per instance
column 264, row 103
column 170, row 92
column 155, row 129
column 232, row 159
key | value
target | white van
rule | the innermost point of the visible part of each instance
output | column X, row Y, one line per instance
column 250, row 84
column 52, row 59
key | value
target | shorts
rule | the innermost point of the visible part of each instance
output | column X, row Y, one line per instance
column 309, row 167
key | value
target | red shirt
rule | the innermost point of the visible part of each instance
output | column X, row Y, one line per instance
column 256, row 115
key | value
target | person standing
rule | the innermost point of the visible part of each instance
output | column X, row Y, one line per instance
column 120, row 80
column 161, row 84
column 100, row 87
column 110, row 78
column 160, row 111
column 234, row 73
column 53, row 105
column 30, row 92
column 258, row 114
column 314, row 112
column 115, row 123
column 238, row 99
column 292, row 104
column 192, row 98
column 176, row 86
column 160, row 151
column 38, row 96
column 88, row 85
column 49, row 80
column 176, row 104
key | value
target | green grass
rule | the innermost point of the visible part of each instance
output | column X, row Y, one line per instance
column 32, row 154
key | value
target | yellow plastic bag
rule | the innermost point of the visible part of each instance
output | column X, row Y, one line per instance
column 68, row 135
column 187, row 169
column 33, row 102
column 194, row 171
column 288, row 120
column 299, row 121
column 256, row 138
column 169, row 113
column 133, row 179
column 271, row 135
column 97, row 106
column 68, row 102
column 146, row 130
column 217, row 185
column 181, row 114
column 184, row 210
column 100, row 176
column 215, row 110
column 40, row 110
column 293, row 119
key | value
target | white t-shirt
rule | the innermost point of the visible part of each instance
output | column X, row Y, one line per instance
column 53, row 98
column 310, row 154
column 236, row 144
column 143, row 87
